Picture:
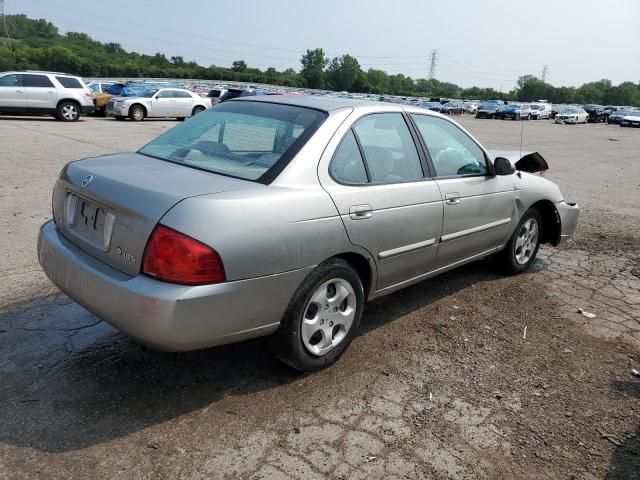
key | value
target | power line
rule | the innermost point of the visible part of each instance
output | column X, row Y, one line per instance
column 4, row 22
column 433, row 63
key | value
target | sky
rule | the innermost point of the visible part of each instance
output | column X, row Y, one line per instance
column 487, row 43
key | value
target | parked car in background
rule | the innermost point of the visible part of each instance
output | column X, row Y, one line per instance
column 617, row 116
column 169, row 244
column 66, row 97
column 232, row 93
column 433, row 106
column 596, row 113
column 470, row 107
column 215, row 94
column 163, row 102
column 452, row 108
column 631, row 120
column 100, row 96
column 489, row 109
column 540, row 111
column 572, row 115
column 515, row 112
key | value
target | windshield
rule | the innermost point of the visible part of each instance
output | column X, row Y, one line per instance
column 570, row 110
column 535, row 107
column 240, row 139
column 148, row 93
column 94, row 87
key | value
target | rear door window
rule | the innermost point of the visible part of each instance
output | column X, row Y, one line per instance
column 165, row 94
column 388, row 147
column 69, row 82
column 347, row 165
column 181, row 94
column 36, row 81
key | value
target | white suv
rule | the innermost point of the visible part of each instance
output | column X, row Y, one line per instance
column 64, row 96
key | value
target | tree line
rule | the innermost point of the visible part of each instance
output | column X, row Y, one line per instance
column 38, row 45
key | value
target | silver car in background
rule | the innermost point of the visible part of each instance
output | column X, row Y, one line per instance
column 282, row 216
column 159, row 103
column 64, row 96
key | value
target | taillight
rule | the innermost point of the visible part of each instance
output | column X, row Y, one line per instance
column 173, row 257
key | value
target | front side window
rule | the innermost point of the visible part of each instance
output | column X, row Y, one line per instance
column 388, row 148
column 452, row 151
column 36, row 81
column 240, row 139
column 11, row 81
column 347, row 165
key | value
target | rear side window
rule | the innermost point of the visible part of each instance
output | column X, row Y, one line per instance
column 69, row 82
column 249, row 140
column 347, row 165
column 181, row 94
column 165, row 94
column 11, row 81
column 389, row 149
column 452, row 151
column 36, row 81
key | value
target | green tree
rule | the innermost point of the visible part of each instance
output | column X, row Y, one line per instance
column 378, row 81
column 313, row 63
column 343, row 72
column 239, row 66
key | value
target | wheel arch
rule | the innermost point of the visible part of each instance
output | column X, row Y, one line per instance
column 72, row 100
column 551, row 223
column 138, row 104
column 363, row 267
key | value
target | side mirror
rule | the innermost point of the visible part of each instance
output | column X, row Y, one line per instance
column 502, row 166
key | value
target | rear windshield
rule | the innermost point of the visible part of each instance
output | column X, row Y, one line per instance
column 69, row 82
column 241, row 139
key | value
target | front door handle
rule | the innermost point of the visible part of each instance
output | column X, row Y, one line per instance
column 360, row 212
column 452, row 198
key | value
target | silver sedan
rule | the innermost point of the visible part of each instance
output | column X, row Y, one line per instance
column 282, row 216
column 163, row 102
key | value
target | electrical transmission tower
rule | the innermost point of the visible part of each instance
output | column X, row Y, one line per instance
column 545, row 72
column 433, row 63
column 4, row 23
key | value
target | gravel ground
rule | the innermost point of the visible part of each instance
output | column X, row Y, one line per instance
column 467, row 375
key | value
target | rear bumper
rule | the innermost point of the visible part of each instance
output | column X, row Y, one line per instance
column 569, row 213
column 87, row 110
column 163, row 315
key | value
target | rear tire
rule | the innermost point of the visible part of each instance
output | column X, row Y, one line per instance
column 322, row 317
column 522, row 248
column 68, row 112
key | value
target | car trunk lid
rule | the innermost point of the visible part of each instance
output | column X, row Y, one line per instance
column 108, row 206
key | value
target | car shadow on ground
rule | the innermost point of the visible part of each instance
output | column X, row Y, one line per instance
column 71, row 381
column 20, row 118
column 625, row 461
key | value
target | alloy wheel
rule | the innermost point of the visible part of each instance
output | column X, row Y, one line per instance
column 328, row 316
column 69, row 112
column 527, row 241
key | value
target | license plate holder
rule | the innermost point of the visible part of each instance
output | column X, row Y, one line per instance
column 90, row 221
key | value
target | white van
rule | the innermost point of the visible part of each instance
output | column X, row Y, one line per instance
column 540, row 111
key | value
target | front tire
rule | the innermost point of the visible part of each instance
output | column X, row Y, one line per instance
column 137, row 113
column 522, row 248
column 68, row 112
column 322, row 317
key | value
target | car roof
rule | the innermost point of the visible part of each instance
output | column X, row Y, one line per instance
column 316, row 102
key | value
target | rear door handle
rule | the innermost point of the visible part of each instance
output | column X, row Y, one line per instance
column 452, row 198
column 360, row 212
